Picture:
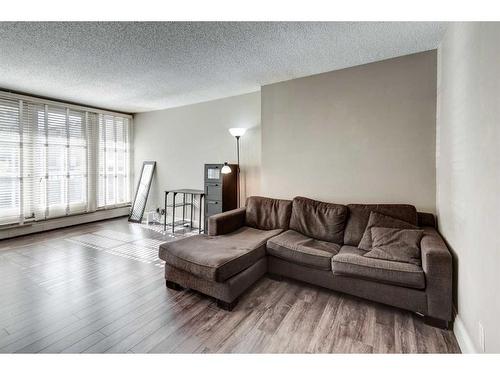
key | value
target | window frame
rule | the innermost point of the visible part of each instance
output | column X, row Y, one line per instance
column 110, row 149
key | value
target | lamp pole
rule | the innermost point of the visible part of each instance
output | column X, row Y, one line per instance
column 237, row 133
column 238, row 170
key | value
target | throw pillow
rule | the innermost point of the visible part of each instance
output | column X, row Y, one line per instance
column 379, row 220
column 400, row 245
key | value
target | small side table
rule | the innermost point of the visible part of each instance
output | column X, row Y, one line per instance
column 190, row 203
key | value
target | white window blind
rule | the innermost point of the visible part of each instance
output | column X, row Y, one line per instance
column 114, row 161
column 57, row 161
column 61, row 166
column 10, row 161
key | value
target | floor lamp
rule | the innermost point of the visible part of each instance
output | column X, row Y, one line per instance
column 237, row 133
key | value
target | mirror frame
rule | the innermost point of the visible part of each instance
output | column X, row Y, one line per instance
column 153, row 163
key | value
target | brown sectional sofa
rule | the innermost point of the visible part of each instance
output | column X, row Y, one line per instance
column 314, row 242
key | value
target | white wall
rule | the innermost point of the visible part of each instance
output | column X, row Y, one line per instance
column 363, row 134
column 468, row 174
column 183, row 139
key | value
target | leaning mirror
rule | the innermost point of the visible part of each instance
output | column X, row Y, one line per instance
column 142, row 192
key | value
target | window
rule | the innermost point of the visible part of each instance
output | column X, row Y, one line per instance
column 61, row 150
column 114, row 178
column 57, row 161
column 10, row 165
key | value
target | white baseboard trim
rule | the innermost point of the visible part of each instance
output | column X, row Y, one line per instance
column 464, row 339
column 62, row 222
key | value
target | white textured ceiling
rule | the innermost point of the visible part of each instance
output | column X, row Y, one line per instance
column 143, row 66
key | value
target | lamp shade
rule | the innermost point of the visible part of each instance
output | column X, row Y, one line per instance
column 237, row 132
column 226, row 169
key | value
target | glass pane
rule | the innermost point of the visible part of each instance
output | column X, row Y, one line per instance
column 121, row 133
column 56, row 190
column 56, row 155
column 213, row 173
column 9, row 159
column 109, row 132
column 9, row 196
column 77, row 160
column 101, row 192
column 77, row 135
column 56, row 126
column 110, row 190
column 110, row 164
column 77, row 190
column 9, row 120
column 121, row 162
column 121, row 189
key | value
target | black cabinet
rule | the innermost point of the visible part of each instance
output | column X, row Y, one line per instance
column 221, row 190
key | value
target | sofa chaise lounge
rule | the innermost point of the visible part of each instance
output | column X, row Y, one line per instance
column 317, row 243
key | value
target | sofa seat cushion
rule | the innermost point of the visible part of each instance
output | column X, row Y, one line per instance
column 297, row 248
column 351, row 262
column 217, row 258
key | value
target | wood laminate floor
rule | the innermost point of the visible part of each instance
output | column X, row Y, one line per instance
column 99, row 288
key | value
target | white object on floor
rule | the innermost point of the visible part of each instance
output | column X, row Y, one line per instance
column 151, row 217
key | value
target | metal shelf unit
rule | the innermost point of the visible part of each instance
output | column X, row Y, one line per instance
column 189, row 203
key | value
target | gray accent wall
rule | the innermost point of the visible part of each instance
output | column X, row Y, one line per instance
column 468, row 176
column 363, row 134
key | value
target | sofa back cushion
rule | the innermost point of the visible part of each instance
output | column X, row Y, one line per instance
column 319, row 220
column 396, row 245
column 381, row 221
column 359, row 214
column 426, row 219
column 268, row 213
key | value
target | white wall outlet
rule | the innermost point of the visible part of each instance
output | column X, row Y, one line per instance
column 481, row 338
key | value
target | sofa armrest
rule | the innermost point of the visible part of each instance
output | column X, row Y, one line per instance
column 437, row 264
column 226, row 222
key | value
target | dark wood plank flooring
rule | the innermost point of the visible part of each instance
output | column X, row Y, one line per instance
column 99, row 288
